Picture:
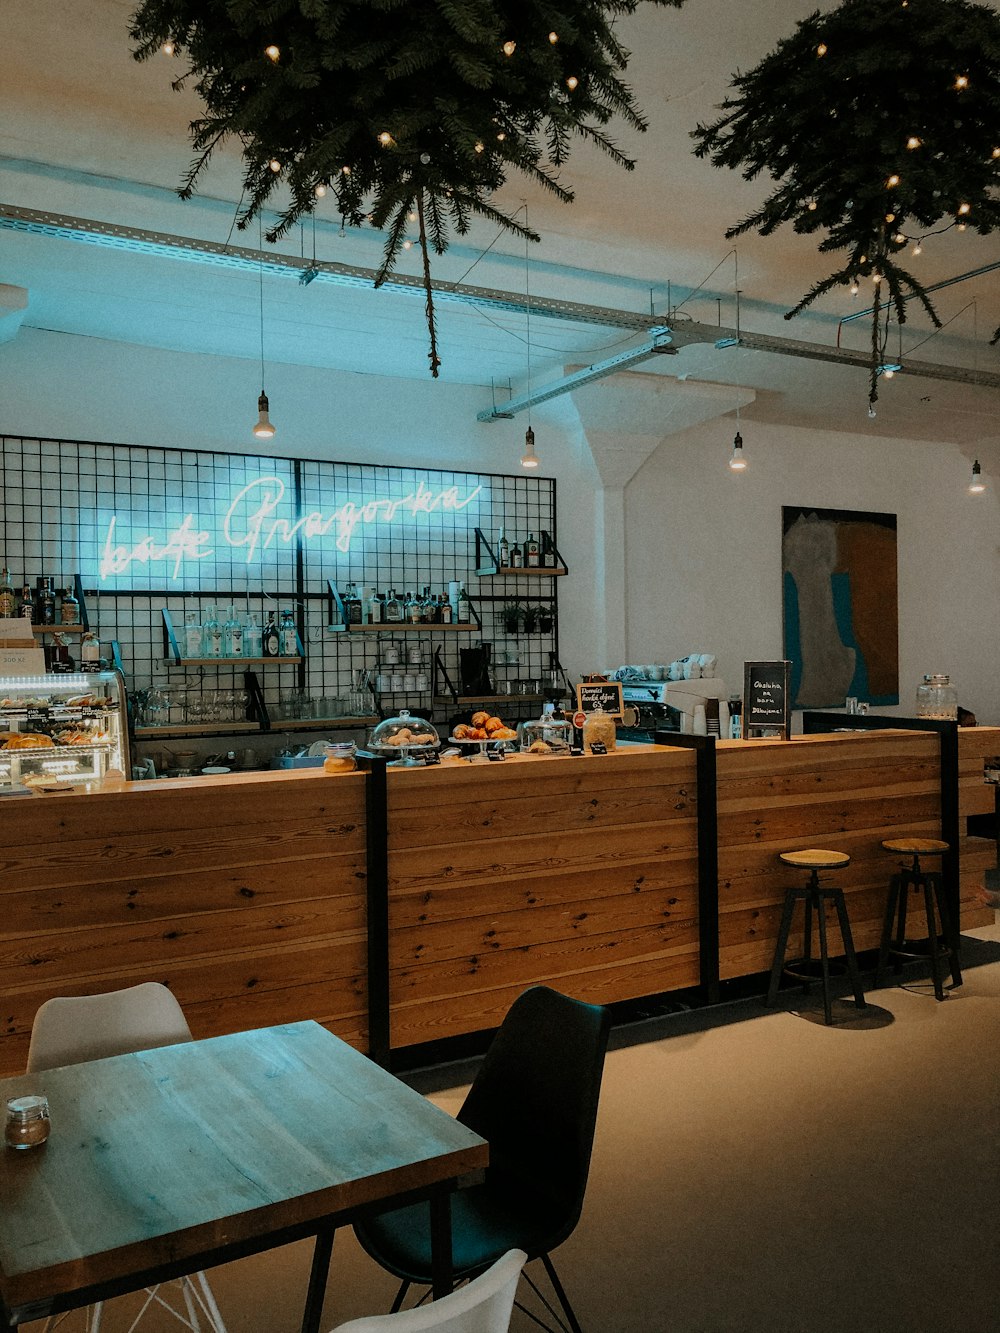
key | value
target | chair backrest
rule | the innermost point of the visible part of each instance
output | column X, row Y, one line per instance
column 535, row 1099
column 482, row 1306
column 70, row 1029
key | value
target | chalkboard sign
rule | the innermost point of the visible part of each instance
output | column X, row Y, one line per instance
column 606, row 694
column 766, row 702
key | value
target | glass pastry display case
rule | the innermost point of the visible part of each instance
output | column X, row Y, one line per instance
column 60, row 731
column 396, row 737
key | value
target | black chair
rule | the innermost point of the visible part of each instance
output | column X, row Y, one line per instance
column 534, row 1100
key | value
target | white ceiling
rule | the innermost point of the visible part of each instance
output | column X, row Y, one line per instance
column 87, row 132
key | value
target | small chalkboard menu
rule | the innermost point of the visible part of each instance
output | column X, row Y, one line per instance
column 766, row 701
column 604, row 694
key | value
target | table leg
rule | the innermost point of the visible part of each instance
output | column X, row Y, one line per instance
column 317, row 1280
column 441, row 1256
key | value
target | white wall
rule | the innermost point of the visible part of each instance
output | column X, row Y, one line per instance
column 702, row 545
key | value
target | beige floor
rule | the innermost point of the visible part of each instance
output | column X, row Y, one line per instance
column 757, row 1170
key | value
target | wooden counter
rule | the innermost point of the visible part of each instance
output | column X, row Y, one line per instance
column 249, row 894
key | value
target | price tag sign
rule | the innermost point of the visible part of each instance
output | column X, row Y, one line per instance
column 605, row 694
column 579, row 719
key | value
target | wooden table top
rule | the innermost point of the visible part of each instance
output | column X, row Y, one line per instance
column 168, row 1154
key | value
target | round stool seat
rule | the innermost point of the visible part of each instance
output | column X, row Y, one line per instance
column 915, row 846
column 813, row 859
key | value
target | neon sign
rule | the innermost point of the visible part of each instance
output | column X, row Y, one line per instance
column 251, row 523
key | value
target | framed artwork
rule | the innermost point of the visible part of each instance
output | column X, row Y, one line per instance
column 839, row 605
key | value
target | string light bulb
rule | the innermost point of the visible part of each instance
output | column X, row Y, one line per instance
column 407, row 245
column 572, row 82
column 854, row 287
column 272, row 53
column 812, row 205
column 962, row 81
column 167, row 48
column 977, row 485
column 821, row 49
column 737, row 462
column 509, row 48
column 274, row 164
column 918, row 249
column 385, row 138
column 553, row 37
column 320, row 190
column 913, row 142
column 963, row 209
column 892, row 181
column 529, row 458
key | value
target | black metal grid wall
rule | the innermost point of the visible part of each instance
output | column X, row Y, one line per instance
column 70, row 508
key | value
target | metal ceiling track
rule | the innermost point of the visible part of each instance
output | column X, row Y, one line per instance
column 660, row 338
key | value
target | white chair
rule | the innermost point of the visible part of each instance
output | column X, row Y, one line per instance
column 482, row 1306
column 71, row 1029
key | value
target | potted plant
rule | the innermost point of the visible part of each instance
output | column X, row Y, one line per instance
column 511, row 615
column 531, row 614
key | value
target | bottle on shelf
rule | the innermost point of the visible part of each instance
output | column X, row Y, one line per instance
column 211, row 635
column 252, row 637
column 429, row 607
column 393, row 608
column 516, row 558
column 532, row 556
column 352, row 605
column 90, row 650
column 45, row 600
column 413, row 611
column 192, row 634
column 233, row 634
column 69, row 607
column 444, row 611
column 7, row 597
column 271, row 642
column 376, row 609
column 548, row 552
column 289, row 639
column 503, row 551
column 464, row 616
column 26, row 603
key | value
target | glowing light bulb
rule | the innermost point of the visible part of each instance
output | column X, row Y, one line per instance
column 385, row 138
column 962, row 81
column 411, row 216
column 876, row 278
column 274, row 164
column 888, row 372
column 509, row 48
column 963, row 209
column 167, row 48
column 996, row 152
column 480, row 147
column 553, row 37
column 811, row 205
column 913, row 142
column 345, row 171
column 572, row 82
column 737, row 462
column 320, row 191
column 501, row 136
column 918, row 249
column 977, row 485
column 890, row 217
column 272, row 53
column 892, row 182
column 263, row 428
column 529, row 458
column 821, row 49
column 407, row 245
column 899, row 238
column 854, row 287
column 961, row 226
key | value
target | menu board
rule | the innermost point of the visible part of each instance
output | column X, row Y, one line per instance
column 766, row 702
column 605, row 694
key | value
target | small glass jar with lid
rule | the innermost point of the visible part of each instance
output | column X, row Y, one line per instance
column 402, row 736
column 547, row 735
column 339, row 757
column 937, row 698
column 27, row 1124
column 599, row 729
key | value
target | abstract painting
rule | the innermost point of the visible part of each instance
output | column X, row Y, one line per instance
column 840, row 606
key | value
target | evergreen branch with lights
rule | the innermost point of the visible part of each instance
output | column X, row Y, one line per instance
column 876, row 121
column 402, row 110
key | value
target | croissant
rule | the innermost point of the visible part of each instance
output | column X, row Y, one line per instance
column 479, row 719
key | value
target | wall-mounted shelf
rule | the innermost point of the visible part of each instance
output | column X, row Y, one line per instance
column 233, row 661
column 41, row 630
column 191, row 729
column 403, row 627
column 471, row 699
column 487, row 564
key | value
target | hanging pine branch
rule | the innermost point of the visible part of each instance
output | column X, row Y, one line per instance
column 396, row 103
column 879, row 121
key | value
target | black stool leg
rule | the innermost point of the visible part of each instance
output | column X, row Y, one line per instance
column 932, row 938
column 892, row 901
column 905, row 879
column 848, row 939
column 824, row 956
column 781, row 946
column 807, row 931
column 946, row 929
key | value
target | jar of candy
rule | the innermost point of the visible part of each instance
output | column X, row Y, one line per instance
column 937, row 698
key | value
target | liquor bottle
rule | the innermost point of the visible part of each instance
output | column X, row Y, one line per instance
column 252, row 637
column 413, row 613
column 352, row 605
column 445, row 611
column 428, row 607
column 46, row 601
column 192, row 634
column 503, row 551
column 7, row 599
column 516, row 558
column 464, row 616
column 211, row 635
column 548, row 552
column 393, row 608
column 532, row 559
column 288, row 636
column 271, row 643
column 69, row 608
column 376, row 609
column 233, row 634
column 26, row 603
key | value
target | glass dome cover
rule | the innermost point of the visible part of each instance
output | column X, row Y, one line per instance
column 398, row 734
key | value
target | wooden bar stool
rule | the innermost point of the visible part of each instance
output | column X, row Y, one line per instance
column 814, row 896
column 931, row 885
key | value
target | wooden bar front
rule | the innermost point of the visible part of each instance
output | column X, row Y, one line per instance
column 247, row 894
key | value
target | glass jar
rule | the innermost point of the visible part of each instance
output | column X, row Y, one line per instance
column 600, row 728
column 548, row 735
column 28, row 1122
column 338, row 757
column 937, row 698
